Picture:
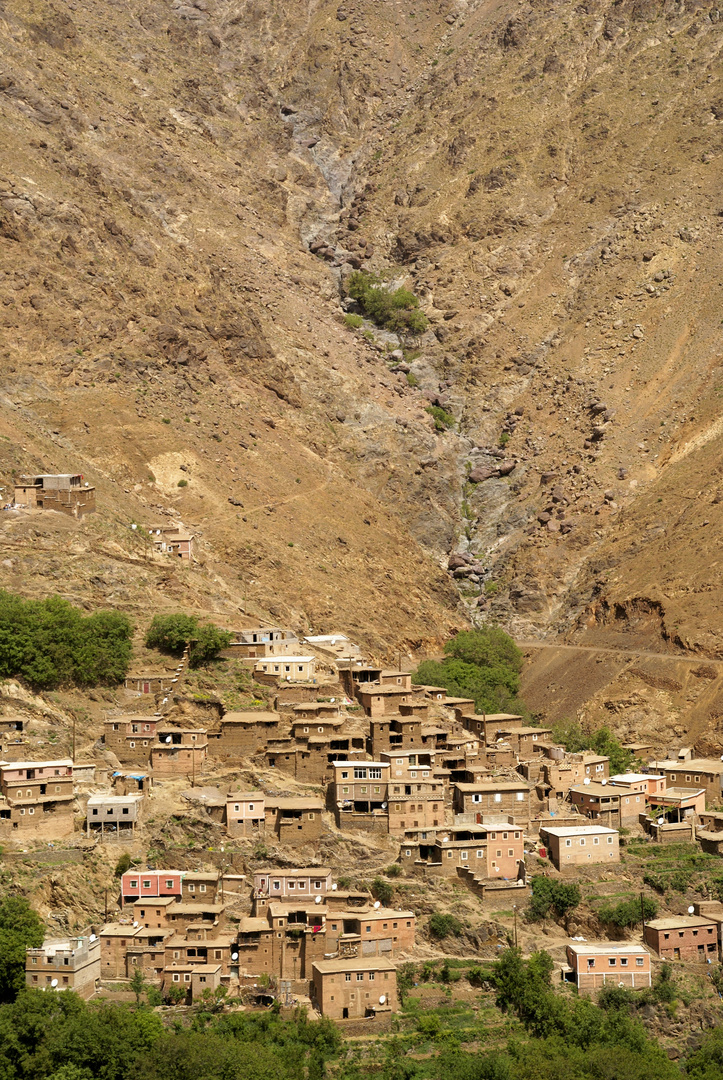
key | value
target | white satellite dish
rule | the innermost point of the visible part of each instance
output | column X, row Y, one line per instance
column 661, row 821
column 135, row 924
column 317, row 899
column 168, row 738
column 384, row 806
column 92, row 937
column 586, row 780
column 332, row 699
column 382, row 999
column 691, row 910
column 333, row 887
column 54, row 982
column 376, row 904
column 603, row 781
column 134, row 527
column 234, row 956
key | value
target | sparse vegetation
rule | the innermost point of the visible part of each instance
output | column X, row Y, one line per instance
column 396, row 310
column 354, row 322
column 444, row 925
column 571, row 735
column 443, row 420
column 549, row 894
column 171, row 633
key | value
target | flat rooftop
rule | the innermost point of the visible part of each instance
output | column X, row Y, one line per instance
column 576, row 830
column 679, row 922
column 330, row 967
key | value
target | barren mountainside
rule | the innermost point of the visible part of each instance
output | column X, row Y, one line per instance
column 184, row 191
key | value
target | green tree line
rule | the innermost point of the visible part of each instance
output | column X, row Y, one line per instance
column 481, row 664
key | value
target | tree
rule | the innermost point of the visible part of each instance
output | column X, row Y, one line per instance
column 20, row 929
column 406, row 974
column 176, row 993
column 393, row 309
column 138, row 983
column 571, row 735
column 481, row 664
column 171, row 633
column 208, row 643
column 628, row 913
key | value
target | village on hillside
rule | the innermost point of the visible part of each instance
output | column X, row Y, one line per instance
column 333, row 748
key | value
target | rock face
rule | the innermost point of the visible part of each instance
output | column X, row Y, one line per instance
column 183, row 199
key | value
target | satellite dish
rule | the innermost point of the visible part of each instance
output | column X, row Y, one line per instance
column 586, row 780
column 691, row 910
column 376, row 904
column 603, row 781
column 382, row 999
column 317, row 899
column 333, row 888
column 54, row 982
column 234, row 956
column 661, row 821
column 135, row 924
column 92, row 937
column 134, row 527
column 168, row 738
column 384, row 806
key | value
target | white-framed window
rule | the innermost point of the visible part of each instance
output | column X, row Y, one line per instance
column 464, row 856
column 610, row 839
column 480, row 853
column 582, row 841
column 476, row 798
column 596, row 839
column 520, row 795
column 498, row 796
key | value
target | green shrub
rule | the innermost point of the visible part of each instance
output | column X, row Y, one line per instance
column 20, row 929
column 442, row 926
column 183, row 483
column 443, row 420
column 412, row 379
column 165, row 420
column 504, row 439
column 49, row 643
column 628, row 913
column 396, row 310
column 123, row 864
column 549, row 894
column 395, row 870
column 571, row 735
column 382, row 891
column 353, row 321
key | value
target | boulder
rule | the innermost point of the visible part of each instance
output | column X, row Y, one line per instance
column 507, row 467
column 478, row 475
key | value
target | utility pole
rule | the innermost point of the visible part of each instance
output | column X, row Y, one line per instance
column 193, row 766
column 73, row 754
column 514, row 909
column 642, row 912
column 106, row 905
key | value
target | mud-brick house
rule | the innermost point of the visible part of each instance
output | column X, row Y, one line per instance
column 294, row 820
column 373, row 932
column 417, row 810
column 130, row 738
column 319, row 717
column 302, row 882
column 591, row 967
column 394, row 733
column 493, row 795
column 351, row 988
column 277, row 669
column 36, row 799
column 683, row 937
column 571, row 846
column 406, row 766
column 194, row 978
column 148, row 683
column 255, row 945
column 255, row 642
column 493, row 850
column 68, row 493
column 525, row 741
column 245, row 813
column 11, row 725
column 69, row 963
column 703, row 773
column 114, row 941
column 485, row 726
column 216, row 948
column 147, row 950
column 113, row 816
column 598, row 802
column 178, row 752
column 359, row 794
column 380, row 701
column 172, row 540
column 242, row 734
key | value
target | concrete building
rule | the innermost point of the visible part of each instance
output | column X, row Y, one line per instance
column 36, row 799
column 245, row 813
column 147, row 884
column 259, row 641
column 294, row 820
column 178, row 752
column 651, row 784
column 359, row 794
column 148, row 684
column 493, row 849
column 65, row 963
column 706, row 773
column 285, row 669
column 407, row 766
column 290, row 885
column 683, row 937
column 579, row 845
column 415, row 810
column 600, row 802
column 373, row 932
column 593, row 966
column 353, row 988
column 172, row 540
column 113, row 816
column 68, row 493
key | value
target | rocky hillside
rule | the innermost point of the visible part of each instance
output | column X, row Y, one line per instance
column 189, row 187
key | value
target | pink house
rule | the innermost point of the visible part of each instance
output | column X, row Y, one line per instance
column 142, row 884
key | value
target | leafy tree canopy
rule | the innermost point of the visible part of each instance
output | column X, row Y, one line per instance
column 49, row 643
column 393, row 309
column 571, row 735
column 20, row 929
column 548, row 894
column 481, row 664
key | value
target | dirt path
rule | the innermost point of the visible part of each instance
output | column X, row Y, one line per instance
column 633, row 653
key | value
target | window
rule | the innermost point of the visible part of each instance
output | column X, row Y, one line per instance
column 347, row 977
column 498, row 797
column 31, row 811
column 582, row 841
column 610, row 839
column 464, row 856
column 132, row 745
column 568, row 843
column 134, row 883
column 612, row 961
column 639, row 961
column 375, row 774
column 450, row 854
column 499, row 853
column 203, row 888
column 360, row 976
column 504, row 835
column 371, row 976
column 480, row 854
column 596, row 839
column 623, row 961
column 176, row 978
column 146, row 884
column 520, row 796
column 510, row 851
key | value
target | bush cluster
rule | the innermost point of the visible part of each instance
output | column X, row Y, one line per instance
column 171, row 633
column 571, row 735
column 49, row 643
column 396, row 310
column 551, row 895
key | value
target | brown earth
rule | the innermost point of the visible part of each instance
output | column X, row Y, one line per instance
column 546, row 176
